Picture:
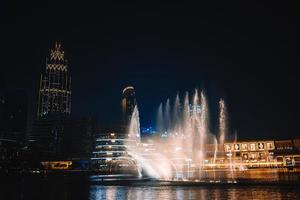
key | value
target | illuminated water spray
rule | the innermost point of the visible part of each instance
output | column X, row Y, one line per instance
column 134, row 126
column 181, row 150
column 159, row 119
column 204, row 124
column 222, row 122
column 167, row 115
column 176, row 116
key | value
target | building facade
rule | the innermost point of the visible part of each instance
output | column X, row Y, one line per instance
column 128, row 104
column 264, row 153
column 54, row 105
column 111, row 156
column 55, row 86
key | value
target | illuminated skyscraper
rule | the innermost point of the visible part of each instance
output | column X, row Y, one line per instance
column 128, row 103
column 55, row 86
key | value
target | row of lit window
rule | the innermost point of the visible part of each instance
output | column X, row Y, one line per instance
column 259, row 146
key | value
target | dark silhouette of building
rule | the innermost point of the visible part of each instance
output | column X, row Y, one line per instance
column 63, row 138
column 128, row 103
column 55, row 86
column 10, row 155
column 13, row 115
column 46, row 136
column 78, row 137
column 2, row 102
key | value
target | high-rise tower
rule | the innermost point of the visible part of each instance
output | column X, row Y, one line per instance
column 128, row 103
column 55, row 86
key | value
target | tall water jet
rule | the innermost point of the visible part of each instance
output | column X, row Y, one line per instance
column 160, row 120
column 167, row 116
column 176, row 115
column 232, row 163
column 187, row 130
column 134, row 138
column 222, row 121
column 235, row 136
column 186, row 115
column 215, row 155
column 204, row 124
column 134, row 126
column 204, row 114
column 196, row 130
column 152, row 169
column 195, row 101
column 215, row 149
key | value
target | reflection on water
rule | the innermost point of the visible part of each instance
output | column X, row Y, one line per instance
column 62, row 188
column 178, row 192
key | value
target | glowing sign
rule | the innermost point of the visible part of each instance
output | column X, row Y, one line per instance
column 236, row 147
column 253, row 155
column 261, row 156
column 261, row 146
column 57, row 165
column 270, row 145
column 252, row 147
column 244, row 147
column 227, row 147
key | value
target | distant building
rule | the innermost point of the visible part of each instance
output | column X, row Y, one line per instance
column 78, row 137
column 253, row 152
column 13, row 115
column 264, row 153
column 55, row 86
column 148, row 131
column 128, row 103
column 55, row 134
column 54, row 105
column 65, row 138
column 46, row 136
column 110, row 155
column 10, row 153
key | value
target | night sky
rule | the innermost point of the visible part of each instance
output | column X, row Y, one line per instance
column 247, row 54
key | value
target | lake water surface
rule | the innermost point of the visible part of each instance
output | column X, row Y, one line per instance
column 61, row 189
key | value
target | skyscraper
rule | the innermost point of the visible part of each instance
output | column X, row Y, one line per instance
column 55, row 134
column 128, row 103
column 55, row 86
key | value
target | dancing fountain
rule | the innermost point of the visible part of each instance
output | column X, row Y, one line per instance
column 185, row 144
column 184, row 150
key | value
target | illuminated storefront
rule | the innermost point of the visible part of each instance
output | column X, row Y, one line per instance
column 254, row 153
column 287, row 152
column 267, row 153
column 57, row 165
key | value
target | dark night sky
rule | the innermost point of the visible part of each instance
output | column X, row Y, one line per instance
column 245, row 53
